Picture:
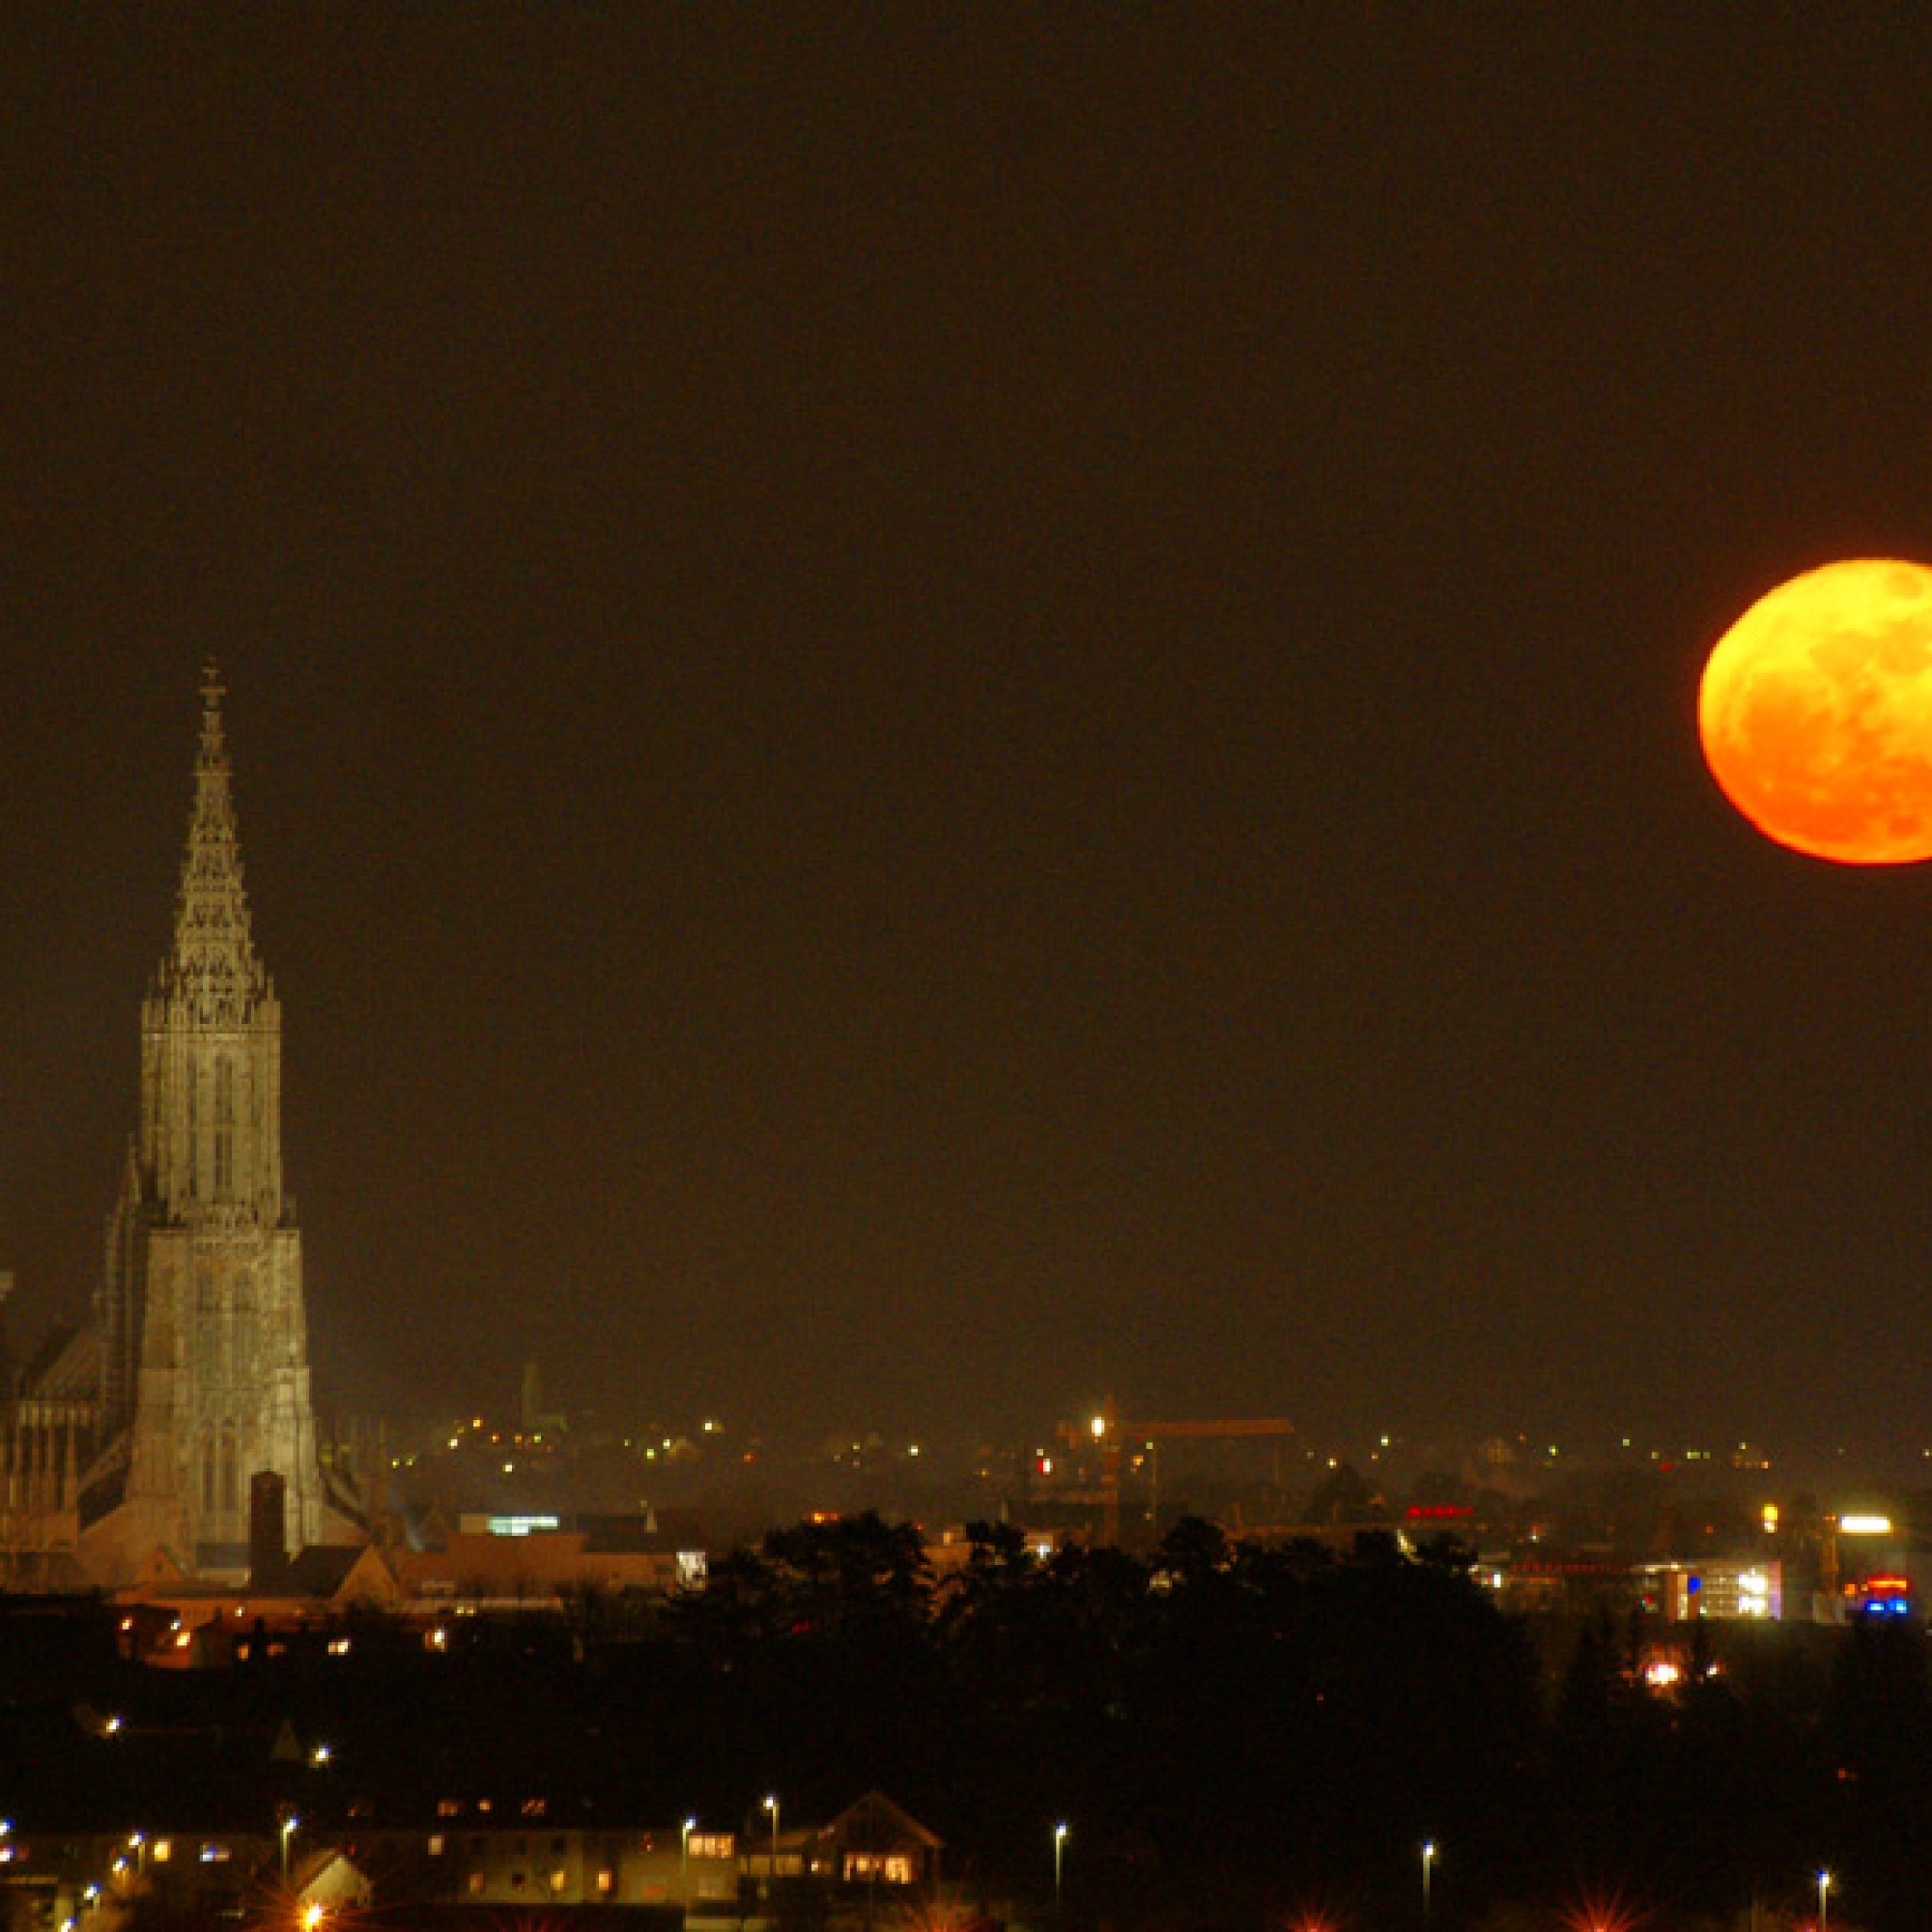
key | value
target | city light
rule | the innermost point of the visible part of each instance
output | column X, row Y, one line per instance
column 1864, row 1525
column 1599, row 1914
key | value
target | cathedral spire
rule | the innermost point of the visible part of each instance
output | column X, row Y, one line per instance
column 213, row 967
column 203, row 1333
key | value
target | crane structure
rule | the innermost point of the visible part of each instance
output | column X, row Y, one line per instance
column 1111, row 1436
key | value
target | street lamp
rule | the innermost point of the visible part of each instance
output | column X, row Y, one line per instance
column 1428, row 1872
column 1059, row 1858
column 684, row 1860
column 289, row 1824
column 772, row 1806
column 1824, row 1901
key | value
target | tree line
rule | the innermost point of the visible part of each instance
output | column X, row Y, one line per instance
column 1233, row 1734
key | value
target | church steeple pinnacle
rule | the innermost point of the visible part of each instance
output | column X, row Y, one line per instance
column 213, row 968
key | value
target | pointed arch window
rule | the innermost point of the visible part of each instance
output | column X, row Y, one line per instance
column 230, row 1493
column 224, row 1127
column 192, row 1152
column 207, row 1471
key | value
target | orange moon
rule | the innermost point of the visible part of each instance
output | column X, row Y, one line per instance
column 1816, row 713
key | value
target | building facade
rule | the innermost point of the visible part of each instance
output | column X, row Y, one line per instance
column 193, row 1377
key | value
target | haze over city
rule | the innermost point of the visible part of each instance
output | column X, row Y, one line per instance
column 937, row 715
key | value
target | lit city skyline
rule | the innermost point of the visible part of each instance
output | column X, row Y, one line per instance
column 933, row 724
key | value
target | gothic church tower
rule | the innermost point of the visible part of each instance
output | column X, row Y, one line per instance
column 203, row 1338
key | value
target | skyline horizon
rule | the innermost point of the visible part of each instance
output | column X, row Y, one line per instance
column 1339, row 1423
column 949, row 719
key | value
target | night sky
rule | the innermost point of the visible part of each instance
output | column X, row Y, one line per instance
column 938, row 710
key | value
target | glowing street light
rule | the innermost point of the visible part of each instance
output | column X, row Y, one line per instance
column 1058, row 1858
column 772, row 1806
column 684, row 1858
column 289, row 1824
column 1824, row 1901
column 1428, row 1873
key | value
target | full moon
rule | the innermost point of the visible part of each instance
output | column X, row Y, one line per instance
column 1816, row 713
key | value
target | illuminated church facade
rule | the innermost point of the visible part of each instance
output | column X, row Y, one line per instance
column 137, row 1443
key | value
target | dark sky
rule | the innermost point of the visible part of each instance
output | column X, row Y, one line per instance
column 940, row 709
